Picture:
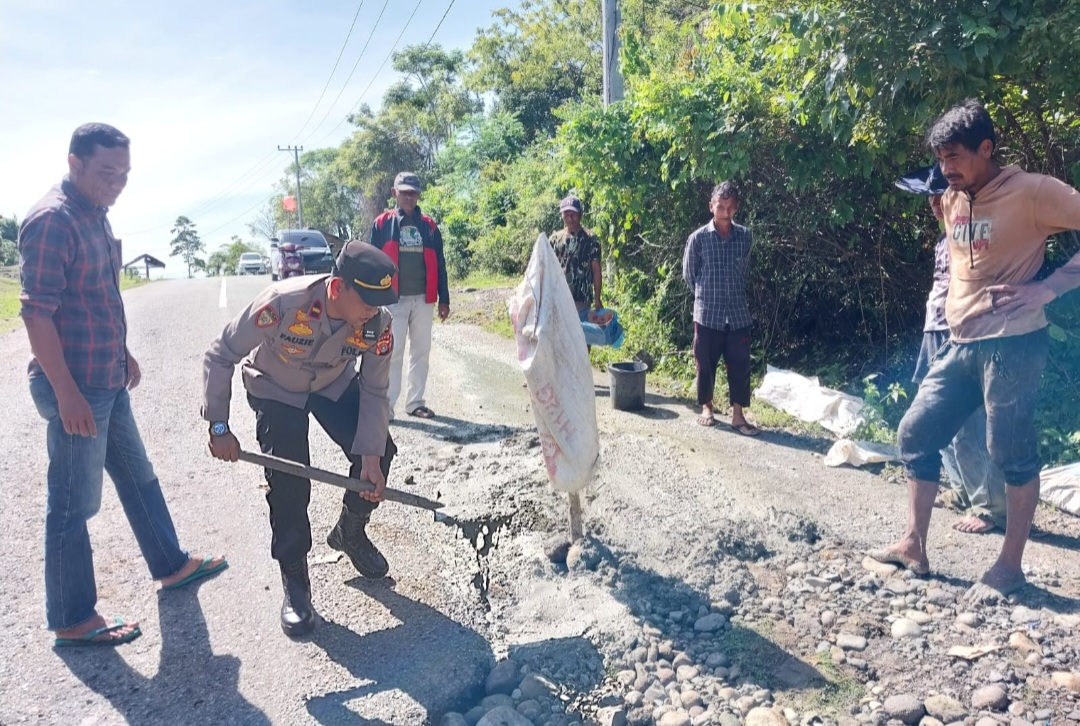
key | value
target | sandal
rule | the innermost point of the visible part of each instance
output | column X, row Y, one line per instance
column 205, row 569
column 705, row 420
column 422, row 412
column 93, row 638
column 746, row 429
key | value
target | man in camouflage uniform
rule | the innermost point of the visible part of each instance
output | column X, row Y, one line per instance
column 299, row 341
column 578, row 251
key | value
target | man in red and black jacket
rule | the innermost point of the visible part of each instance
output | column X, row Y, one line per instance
column 413, row 241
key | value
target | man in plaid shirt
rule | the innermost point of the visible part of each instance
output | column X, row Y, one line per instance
column 716, row 263
column 80, row 374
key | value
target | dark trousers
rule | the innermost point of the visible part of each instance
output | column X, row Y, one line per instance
column 282, row 430
column 710, row 345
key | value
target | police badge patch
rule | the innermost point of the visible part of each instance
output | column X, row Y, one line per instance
column 385, row 343
column 300, row 329
column 266, row 317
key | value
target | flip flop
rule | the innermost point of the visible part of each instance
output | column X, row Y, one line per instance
column 422, row 412
column 889, row 557
column 746, row 429
column 703, row 420
column 205, row 569
column 86, row 640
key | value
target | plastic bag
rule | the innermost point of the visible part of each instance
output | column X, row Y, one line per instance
column 1061, row 487
column 807, row 399
column 601, row 327
column 553, row 356
column 858, row 453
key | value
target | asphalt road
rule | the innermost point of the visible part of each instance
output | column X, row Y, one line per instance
column 389, row 652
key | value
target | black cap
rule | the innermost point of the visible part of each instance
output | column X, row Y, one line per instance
column 407, row 181
column 570, row 203
column 369, row 271
column 927, row 180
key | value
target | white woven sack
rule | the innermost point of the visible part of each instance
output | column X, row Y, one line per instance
column 552, row 353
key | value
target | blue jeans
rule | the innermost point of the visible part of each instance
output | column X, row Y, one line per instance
column 76, row 465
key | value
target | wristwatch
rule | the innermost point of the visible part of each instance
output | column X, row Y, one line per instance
column 219, row 428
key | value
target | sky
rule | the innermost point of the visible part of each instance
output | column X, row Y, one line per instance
column 206, row 91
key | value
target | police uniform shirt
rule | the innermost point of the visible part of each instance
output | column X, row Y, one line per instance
column 292, row 351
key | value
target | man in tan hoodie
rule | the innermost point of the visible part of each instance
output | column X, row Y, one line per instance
column 997, row 220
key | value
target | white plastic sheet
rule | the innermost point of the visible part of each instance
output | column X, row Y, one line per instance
column 552, row 353
column 859, row 453
column 1061, row 487
column 807, row 399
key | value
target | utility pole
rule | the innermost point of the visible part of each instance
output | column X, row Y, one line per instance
column 613, row 82
column 299, row 204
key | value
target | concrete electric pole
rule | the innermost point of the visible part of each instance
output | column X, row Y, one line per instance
column 299, row 203
column 613, row 82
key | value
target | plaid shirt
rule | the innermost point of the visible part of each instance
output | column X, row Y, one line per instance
column 69, row 264
column 716, row 270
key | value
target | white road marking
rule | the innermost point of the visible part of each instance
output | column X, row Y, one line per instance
column 223, row 300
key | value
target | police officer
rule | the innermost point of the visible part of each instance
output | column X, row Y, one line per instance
column 299, row 341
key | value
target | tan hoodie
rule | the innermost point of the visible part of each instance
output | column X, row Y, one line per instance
column 999, row 238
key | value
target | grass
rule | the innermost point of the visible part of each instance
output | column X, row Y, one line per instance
column 840, row 693
column 9, row 299
column 9, row 304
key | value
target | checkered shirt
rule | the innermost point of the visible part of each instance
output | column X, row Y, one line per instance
column 69, row 265
column 716, row 269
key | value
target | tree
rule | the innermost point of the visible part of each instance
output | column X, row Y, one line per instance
column 538, row 58
column 186, row 244
column 9, row 248
column 264, row 224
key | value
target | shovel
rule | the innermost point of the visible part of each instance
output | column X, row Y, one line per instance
column 480, row 531
column 305, row 471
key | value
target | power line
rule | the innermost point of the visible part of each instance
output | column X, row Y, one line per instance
column 377, row 71
column 333, row 70
column 428, row 43
column 351, row 72
column 242, row 214
column 259, row 167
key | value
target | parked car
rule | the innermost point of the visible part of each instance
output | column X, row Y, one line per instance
column 313, row 246
column 251, row 263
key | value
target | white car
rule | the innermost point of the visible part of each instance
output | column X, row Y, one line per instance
column 251, row 263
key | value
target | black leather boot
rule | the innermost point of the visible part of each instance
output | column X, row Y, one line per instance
column 297, row 614
column 348, row 536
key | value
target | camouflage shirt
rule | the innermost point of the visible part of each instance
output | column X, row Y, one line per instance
column 576, row 253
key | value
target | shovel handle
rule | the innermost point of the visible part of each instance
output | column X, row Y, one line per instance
column 305, row 471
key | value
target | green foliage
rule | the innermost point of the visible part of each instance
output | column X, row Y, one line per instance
column 814, row 108
column 9, row 252
column 186, row 244
column 9, row 248
column 882, row 412
column 537, row 58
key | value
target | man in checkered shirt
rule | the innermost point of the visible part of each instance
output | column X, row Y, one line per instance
column 715, row 265
column 80, row 375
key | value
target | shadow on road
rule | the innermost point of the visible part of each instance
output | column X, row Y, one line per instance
column 192, row 685
column 456, row 430
column 653, row 408
column 428, row 664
